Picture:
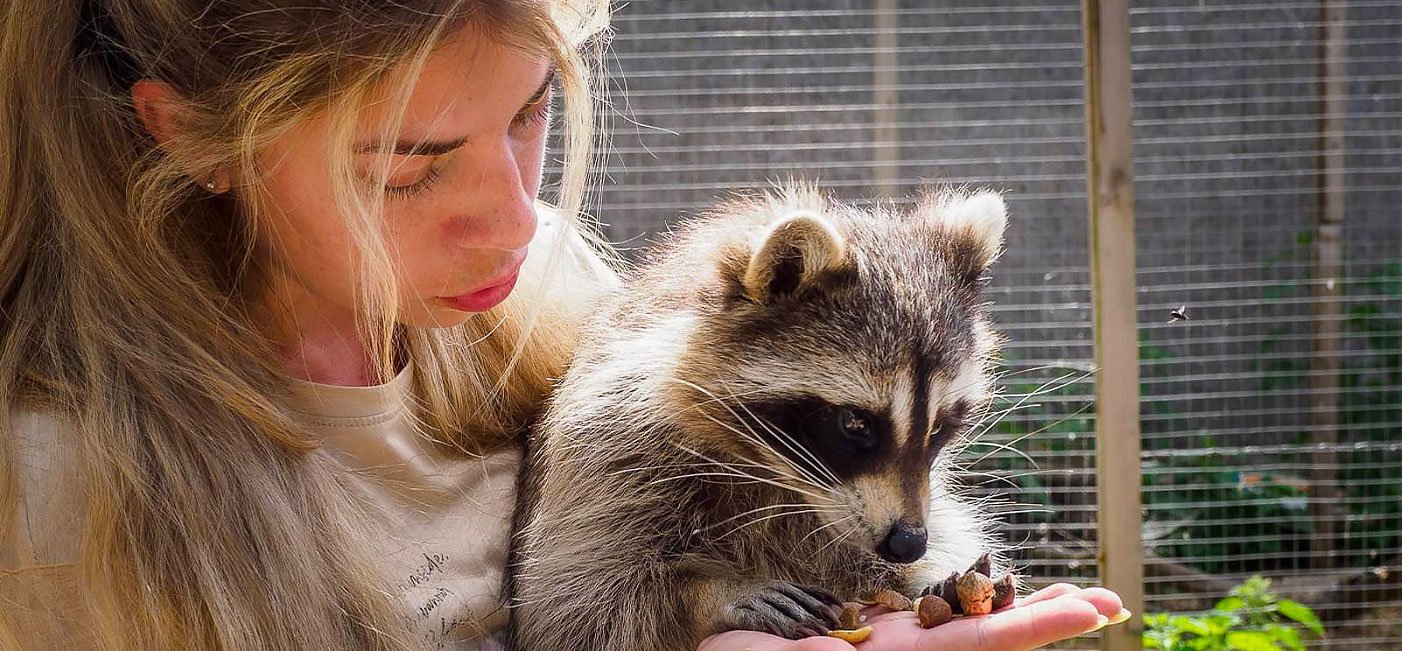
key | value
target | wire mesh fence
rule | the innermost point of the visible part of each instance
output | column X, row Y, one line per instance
column 1261, row 455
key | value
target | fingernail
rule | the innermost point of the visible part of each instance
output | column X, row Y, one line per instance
column 1121, row 617
column 1101, row 621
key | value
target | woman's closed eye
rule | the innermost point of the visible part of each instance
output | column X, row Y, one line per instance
column 536, row 112
column 410, row 178
column 534, row 115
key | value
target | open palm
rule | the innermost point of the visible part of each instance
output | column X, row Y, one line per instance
column 1054, row 613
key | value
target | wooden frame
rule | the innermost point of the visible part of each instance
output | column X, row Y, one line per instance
column 1113, row 284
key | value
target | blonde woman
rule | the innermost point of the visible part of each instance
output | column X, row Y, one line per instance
column 276, row 299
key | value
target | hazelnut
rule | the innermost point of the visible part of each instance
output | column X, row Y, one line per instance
column 975, row 593
column 851, row 616
column 932, row 611
column 1004, row 590
column 891, row 599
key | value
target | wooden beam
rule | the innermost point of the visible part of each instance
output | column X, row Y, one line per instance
column 885, row 81
column 1113, row 283
column 1328, row 257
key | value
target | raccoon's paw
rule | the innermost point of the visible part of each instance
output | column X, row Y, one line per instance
column 785, row 609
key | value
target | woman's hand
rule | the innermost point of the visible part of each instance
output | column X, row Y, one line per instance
column 1054, row 613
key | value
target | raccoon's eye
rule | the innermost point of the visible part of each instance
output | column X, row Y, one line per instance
column 949, row 424
column 857, row 427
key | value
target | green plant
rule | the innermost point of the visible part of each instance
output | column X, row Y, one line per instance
column 1250, row 618
column 1187, row 497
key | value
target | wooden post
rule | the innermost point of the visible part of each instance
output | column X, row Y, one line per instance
column 1328, row 269
column 1111, row 193
column 886, row 155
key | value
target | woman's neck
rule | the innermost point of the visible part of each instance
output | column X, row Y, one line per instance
column 315, row 341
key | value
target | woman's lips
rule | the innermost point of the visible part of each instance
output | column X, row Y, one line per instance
column 484, row 299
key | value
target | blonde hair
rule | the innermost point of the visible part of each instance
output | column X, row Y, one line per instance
column 122, row 290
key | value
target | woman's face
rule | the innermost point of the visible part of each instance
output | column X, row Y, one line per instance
column 459, row 202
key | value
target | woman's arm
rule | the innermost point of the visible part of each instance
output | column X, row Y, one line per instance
column 1058, row 612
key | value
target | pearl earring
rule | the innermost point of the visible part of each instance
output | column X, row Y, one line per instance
column 209, row 185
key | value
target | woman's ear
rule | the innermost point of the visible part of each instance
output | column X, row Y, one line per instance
column 159, row 108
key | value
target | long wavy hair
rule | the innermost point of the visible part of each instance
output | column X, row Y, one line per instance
column 124, row 299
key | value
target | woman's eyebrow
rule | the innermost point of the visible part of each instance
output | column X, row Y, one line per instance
column 440, row 147
column 415, row 147
column 544, row 88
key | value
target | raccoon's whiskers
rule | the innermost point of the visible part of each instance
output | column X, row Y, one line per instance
column 770, row 517
column 1022, row 511
column 793, row 445
column 839, row 539
column 992, row 478
column 674, row 466
column 767, row 508
column 754, row 437
column 997, row 447
column 763, row 480
column 804, row 479
column 835, row 522
column 1035, row 432
column 989, row 420
column 749, row 479
column 1047, row 387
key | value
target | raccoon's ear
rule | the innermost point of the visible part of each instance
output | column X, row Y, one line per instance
column 790, row 254
column 975, row 224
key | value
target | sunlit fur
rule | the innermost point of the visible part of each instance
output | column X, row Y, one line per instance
column 663, row 484
column 211, row 520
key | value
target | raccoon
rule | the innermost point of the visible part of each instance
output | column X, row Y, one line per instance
column 758, row 427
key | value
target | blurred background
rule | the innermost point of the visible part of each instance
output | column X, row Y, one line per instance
column 1271, row 428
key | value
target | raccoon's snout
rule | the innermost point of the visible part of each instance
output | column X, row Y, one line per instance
column 903, row 544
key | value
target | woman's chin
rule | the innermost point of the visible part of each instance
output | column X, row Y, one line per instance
column 435, row 317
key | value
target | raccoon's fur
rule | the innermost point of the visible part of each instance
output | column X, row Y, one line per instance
column 747, row 434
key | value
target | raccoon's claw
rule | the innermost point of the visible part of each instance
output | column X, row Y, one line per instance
column 787, row 610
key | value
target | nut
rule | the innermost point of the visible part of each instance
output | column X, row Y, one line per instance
column 891, row 599
column 984, row 565
column 949, row 592
column 853, row 636
column 851, row 616
column 932, row 611
column 975, row 593
column 1004, row 590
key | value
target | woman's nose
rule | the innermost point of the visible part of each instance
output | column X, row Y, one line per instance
column 497, row 207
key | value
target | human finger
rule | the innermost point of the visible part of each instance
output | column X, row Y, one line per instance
column 1050, row 592
column 1012, row 629
column 755, row 641
column 1024, row 628
column 1106, row 603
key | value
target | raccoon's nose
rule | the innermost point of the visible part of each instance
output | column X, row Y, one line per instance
column 904, row 544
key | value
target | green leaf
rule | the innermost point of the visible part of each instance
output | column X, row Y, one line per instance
column 1302, row 614
column 1251, row 641
column 1230, row 604
column 1287, row 636
column 1190, row 625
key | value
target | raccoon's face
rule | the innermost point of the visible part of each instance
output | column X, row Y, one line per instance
column 854, row 348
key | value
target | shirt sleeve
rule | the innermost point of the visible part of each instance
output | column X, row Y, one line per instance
column 572, row 272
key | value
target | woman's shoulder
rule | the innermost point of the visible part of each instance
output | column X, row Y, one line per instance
column 573, row 269
column 561, row 236
column 49, row 505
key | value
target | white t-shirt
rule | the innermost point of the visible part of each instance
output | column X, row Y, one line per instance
column 444, row 519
